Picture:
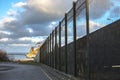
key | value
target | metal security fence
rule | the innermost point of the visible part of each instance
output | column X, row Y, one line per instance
column 86, row 42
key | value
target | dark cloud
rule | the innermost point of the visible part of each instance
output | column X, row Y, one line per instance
column 115, row 12
column 33, row 16
column 99, row 7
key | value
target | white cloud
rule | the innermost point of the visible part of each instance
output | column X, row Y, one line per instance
column 12, row 12
column 19, row 4
column 33, row 39
column 95, row 26
column 5, row 32
column 4, row 39
column 30, row 30
column 20, row 45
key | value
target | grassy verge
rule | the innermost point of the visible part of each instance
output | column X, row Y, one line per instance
column 30, row 63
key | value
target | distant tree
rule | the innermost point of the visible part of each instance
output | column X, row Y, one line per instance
column 3, row 56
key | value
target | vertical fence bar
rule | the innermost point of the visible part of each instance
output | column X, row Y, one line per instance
column 60, row 46
column 50, row 52
column 87, row 31
column 47, row 52
column 56, row 48
column 45, row 47
column 74, row 34
column 66, row 42
column 40, row 55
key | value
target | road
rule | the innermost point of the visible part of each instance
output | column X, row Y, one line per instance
column 13, row 71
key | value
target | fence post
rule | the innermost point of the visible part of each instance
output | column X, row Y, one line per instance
column 40, row 55
column 50, row 52
column 60, row 46
column 45, row 47
column 87, row 31
column 66, row 41
column 74, row 34
column 56, row 48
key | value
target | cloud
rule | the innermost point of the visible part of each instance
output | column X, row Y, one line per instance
column 20, row 45
column 19, row 4
column 11, row 12
column 5, row 32
column 4, row 39
column 36, row 15
column 99, row 7
column 115, row 12
column 93, row 26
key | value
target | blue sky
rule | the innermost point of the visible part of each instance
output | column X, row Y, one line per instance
column 5, row 5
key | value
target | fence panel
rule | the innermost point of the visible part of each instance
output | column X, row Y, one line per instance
column 81, row 43
column 80, row 18
column 104, row 40
column 51, row 50
column 63, row 45
column 70, row 51
column 57, row 48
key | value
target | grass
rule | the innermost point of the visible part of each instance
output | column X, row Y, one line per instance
column 29, row 63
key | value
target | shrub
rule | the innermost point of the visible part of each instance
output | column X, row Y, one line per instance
column 3, row 56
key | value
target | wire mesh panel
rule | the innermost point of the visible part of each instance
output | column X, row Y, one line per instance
column 52, row 57
column 63, row 32
column 70, row 51
column 43, row 53
column 63, row 45
column 103, row 12
column 57, row 47
column 70, row 26
column 81, row 40
column 53, row 49
column 104, row 40
column 50, row 50
column 80, row 18
column 46, row 51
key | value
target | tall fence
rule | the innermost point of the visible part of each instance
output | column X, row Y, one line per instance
column 86, row 41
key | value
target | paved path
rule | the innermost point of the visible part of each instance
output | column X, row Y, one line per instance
column 12, row 71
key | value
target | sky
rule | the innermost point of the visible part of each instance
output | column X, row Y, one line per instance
column 23, row 23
